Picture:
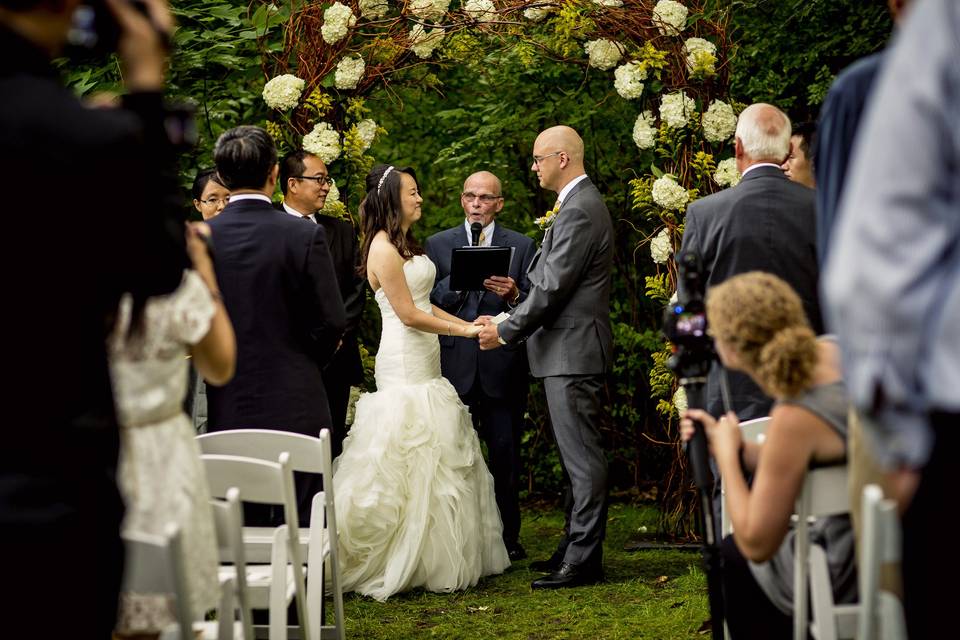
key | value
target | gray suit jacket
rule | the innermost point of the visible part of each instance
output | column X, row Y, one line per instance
column 566, row 315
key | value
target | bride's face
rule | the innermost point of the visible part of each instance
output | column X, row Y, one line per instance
column 410, row 200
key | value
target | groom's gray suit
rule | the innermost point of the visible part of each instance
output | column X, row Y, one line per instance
column 566, row 320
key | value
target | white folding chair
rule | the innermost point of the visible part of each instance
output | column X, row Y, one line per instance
column 881, row 612
column 751, row 431
column 228, row 523
column 319, row 542
column 270, row 586
column 154, row 565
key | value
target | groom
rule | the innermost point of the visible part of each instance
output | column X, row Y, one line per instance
column 566, row 321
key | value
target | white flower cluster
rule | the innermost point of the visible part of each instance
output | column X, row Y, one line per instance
column 283, row 92
column 349, row 71
column 719, row 122
column 645, row 131
column 367, row 132
column 337, row 20
column 609, row 3
column 701, row 54
column 727, row 174
column 323, row 142
column 670, row 17
column 429, row 9
column 604, row 54
column 668, row 194
column 660, row 247
column 480, row 10
column 676, row 109
column 373, row 9
column 536, row 14
column 680, row 399
column 422, row 42
column 628, row 80
column 333, row 195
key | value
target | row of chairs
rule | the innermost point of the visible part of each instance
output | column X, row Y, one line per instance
column 261, row 567
column 879, row 614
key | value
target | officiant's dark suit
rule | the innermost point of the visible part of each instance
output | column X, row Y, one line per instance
column 765, row 223
column 279, row 287
column 566, row 322
column 493, row 384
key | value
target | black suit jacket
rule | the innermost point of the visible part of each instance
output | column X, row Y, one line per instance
column 765, row 223
column 280, row 290
column 502, row 371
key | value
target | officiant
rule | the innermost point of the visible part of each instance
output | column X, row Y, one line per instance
column 493, row 384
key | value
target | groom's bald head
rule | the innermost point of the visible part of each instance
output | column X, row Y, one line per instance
column 558, row 157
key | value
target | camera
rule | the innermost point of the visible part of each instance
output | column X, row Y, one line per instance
column 94, row 30
column 685, row 321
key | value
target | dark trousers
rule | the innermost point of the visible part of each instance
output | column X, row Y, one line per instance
column 747, row 610
column 930, row 562
column 499, row 423
column 337, row 386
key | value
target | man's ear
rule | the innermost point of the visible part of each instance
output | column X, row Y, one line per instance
column 737, row 147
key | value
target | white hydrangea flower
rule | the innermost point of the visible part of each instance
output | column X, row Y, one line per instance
column 700, row 51
column 675, row 298
column 536, row 14
column 333, row 195
column 367, row 132
column 480, row 10
column 719, row 121
column 668, row 194
column 323, row 142
column 670, row 17
column 660, row 247
column 337, row 20
column 604, row 54
column 727, row 174
column 645, row 130
column 283, row 92
column 429, row 9
column 680, row 399
column 676, row 109
column 373, row 8
column 628, row 80
column 423, row 42
column 349, row 71
column 609, row 3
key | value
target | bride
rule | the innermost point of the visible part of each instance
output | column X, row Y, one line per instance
column 414, row 500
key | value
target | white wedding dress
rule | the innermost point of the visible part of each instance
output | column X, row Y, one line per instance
column 414, row 499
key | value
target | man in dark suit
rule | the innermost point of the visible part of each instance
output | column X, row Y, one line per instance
column 765, row 223
column 279, row 287
column 305, row 183
column 60, row 510
column 566, row 321
column 492, row 383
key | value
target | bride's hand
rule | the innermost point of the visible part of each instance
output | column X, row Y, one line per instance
column 471, row 330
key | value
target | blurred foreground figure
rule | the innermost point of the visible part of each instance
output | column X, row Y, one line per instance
column 59, row 507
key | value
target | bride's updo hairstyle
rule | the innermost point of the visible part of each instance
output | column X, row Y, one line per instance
column 762, row 319
column 381, row 210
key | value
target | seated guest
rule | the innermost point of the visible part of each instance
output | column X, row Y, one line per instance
column 799, row 164
column 209, row 194
column 774, row 345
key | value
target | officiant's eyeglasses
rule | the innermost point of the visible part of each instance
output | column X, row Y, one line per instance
column 318, row 179
column 485, row 198
column 538, row 159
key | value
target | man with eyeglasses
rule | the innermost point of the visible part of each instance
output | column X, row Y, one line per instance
column 305, row 184
column 493, row 384
column 565, row 321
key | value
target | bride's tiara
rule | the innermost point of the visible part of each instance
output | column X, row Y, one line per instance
column 383, row 177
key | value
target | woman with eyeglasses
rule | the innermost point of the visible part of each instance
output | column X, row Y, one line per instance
column 209, row 194
column 760, row 328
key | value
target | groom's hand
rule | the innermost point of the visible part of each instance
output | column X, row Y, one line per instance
column 489, row 337
column 483, row 320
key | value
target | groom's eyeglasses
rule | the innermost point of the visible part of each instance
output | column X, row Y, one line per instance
column 538, row 159
column 485, row 198
column 318, row 179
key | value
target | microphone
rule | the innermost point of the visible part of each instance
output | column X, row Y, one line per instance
column 475, row 230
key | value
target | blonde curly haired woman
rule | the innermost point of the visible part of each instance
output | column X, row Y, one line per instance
column 760, row 328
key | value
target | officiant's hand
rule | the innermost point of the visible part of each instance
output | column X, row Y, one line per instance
column 489, row 337
column 503, row 286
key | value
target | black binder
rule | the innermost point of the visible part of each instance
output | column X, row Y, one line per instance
column 470, row 266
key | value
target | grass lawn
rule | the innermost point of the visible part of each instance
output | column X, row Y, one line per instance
column 647, row 594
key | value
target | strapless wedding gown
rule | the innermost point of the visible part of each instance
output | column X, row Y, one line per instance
column 414, row 499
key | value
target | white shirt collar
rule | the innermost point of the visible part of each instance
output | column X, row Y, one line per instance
column 570, row 185
column 757, row 166
column 249, row 196
column 294, row 212
column 487, row 232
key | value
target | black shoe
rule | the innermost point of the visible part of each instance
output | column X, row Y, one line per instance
column 516, row 552
column 547, row 566
column 569, row 575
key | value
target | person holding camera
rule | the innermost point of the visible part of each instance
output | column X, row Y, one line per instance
column 774, row 345
column 79, row 251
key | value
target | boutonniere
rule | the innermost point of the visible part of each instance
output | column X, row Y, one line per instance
column 548, row 218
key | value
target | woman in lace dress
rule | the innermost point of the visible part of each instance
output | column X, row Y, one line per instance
column 414, row 499
column 160, row 474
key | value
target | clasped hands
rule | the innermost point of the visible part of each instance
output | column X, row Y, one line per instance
column 723, row 435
